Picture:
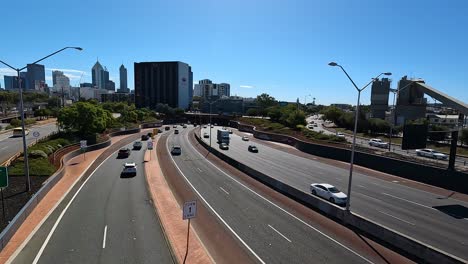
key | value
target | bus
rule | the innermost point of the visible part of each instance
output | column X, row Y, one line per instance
column 18, row 132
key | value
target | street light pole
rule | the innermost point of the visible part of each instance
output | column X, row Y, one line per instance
column 25, row 146
column 356, row 115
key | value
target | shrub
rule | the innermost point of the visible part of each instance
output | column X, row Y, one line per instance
column 37, row 154
column 15, row 123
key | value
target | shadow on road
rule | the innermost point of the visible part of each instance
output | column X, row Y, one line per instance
column 371, row 247
column 454, row 210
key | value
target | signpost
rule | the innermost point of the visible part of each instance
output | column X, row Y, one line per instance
column 3, row 184
column 189, row 212
column 36, row 134
column 83, row 146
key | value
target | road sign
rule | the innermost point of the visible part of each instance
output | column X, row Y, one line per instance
column 36, row 134
column 150, row 145
column 190, row 210
column 3, row 177
column 83, row 144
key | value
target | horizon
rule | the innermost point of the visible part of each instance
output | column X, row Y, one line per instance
column 262, row 47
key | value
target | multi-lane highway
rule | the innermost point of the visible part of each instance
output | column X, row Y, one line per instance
column 364, row 142
column 270, row 232
column 106, row 219
column 439, row 221
column 9, row 145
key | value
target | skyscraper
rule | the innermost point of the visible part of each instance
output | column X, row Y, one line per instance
column 35, row 75
column 54, row 76
column 123, row 79
column 11, row 82
column 97, row 75
column 163, row 82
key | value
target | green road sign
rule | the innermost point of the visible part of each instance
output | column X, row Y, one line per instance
column 3, row 177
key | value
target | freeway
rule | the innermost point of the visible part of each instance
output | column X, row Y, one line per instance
column 439, row 221
column 461, row 161
column 9, row 145
column 105, row 219
column 270, row 232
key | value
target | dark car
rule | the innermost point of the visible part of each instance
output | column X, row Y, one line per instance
column 176, row 131
column 137, row 145
column 123, row 153
column 253, row 148
column 176, row 150
column 150, row 134
column 129, row 170
column 167, row 128
column 144, row 137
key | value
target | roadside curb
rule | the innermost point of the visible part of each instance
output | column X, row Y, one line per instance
column 169, row 212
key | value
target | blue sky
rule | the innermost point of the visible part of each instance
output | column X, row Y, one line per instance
column 278, row 47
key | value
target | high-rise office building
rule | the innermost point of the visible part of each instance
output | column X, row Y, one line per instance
column 379, row 97
column 54, row 76
column 163, row 82
column 207, row 89
column 197, row 90
column 35, row 76
column 224, row 89
column 11, row 82
column 98, row 75
column 123, row 79
column 110, row 85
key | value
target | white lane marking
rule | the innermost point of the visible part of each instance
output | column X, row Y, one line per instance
column 409, row 201
column 280, row 208
column 199, row 170
column 211, row 207
column 396, row 218
column 362, row 186
column 370, row 197
column 46, row 241
column 104, row 238
column 3, row 148
column 224, row 190
column 280, row 234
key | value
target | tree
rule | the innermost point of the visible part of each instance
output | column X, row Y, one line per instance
column 274, row 112
column 464, row 136
column 296, row 118
column 84, row 117
column 42, row 113
column 252, row 112
column 331, row 113
column 15, row 123
column 377, row 125
column 179, row 111
column 265, row 100
column 437, row 133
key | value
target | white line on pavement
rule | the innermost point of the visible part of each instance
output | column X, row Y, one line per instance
column 46, row 241
column 277, row 206
column 104, row 238
column 199, row 170
column 280, row 234
column 224, row 190
column 211, row 208
column 409, row 201
column 396, row 218
column 362, row 186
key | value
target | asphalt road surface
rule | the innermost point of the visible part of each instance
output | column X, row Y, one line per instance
column 270, row 232
column 9, row 145
column 459, row 161
column 111, row 220
column 438, row 221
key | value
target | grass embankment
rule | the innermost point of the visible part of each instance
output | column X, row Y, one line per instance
column 277, row 128
column 39, row 164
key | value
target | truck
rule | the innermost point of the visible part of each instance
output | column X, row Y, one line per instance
column 223, row 136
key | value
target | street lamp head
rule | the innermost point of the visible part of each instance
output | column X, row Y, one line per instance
column 332, row 64
column 77, row 48
column 387, row 73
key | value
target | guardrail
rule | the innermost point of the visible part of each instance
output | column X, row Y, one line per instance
column 400, row 241
column 21, row 216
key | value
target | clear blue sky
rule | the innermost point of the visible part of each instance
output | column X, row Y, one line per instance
column 278, row 47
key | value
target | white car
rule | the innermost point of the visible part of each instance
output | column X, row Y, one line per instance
column 130, row 165
column 339, row 134
column 328, row 192
column 377, row 142
column 245, row 138
column 430, row 153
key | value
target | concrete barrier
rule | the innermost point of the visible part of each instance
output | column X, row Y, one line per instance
column 410, row 246
column 452, row 180
column 13, row 226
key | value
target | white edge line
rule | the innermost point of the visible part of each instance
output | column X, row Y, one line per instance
column 26, row 241
column 280, row 234
column 211, row 208
column 104, row 237
column 396, row 218
column 46, row 241
column 224, row 190
column 277, row 206
column 409, row 201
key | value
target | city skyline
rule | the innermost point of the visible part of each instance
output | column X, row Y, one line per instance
column 265, row 46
